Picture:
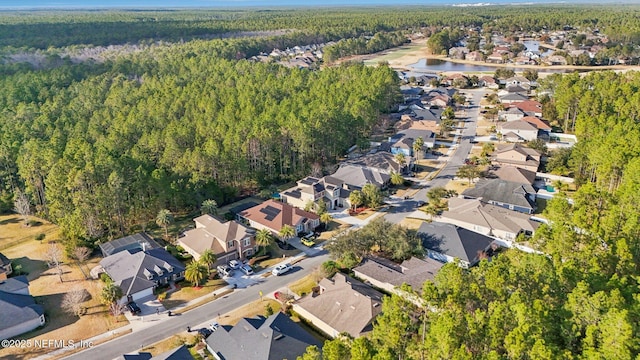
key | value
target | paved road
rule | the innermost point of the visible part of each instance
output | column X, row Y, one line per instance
column 401, row 210
column 176, row 324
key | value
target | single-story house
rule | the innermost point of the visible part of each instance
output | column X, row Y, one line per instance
column 555, row 60
column 511, row 114
column 474, row 56
column 524, row 130
column 5, row 267
column 530, row 107
column 331, row 190
column 410, row 93
column 383, row 161
column 513, row 97
column 506, row 194
column 19, row 312
column 276, row 337
column 139, row 272
column 389, row 276
column 518, row 80
column 488, row 82
column 487, row 219
column 446, row 243
column 342, row 304
column 228, row 240
column 273, row 215
column 179, row 353
column 518, row 156
column 544, row 129
column 139, row 241
column 514, row 174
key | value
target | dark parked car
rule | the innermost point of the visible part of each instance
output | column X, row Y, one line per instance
column 134, row 308
column 205, row 332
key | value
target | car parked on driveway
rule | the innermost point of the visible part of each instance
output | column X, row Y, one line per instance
column 246, row 269
column 205, row 332
column 234, row 264
column 224, row 270
column 281, row 269
column 133, row 308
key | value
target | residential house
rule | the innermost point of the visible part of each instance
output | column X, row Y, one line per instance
column 518, row 131
column 506, row 194
column 514, row 174
column 389, row 276
column 402, row 142
column 518, row 81
column 19, row 312
column 513, row 97
column 139, row 272
column 544, row 129
column 517, row 155
column 458, row 52
column 421, row 118
column 329, row 189
column 228, row 240
column 383, row 161
column 495, row 58
column 341, row 304
column 355, row 177
column 448, row 243
column 474, row 56
column 488, row 82
column 179, row 353
column 487, row 219
column 435, row 99
column 410, row 93
column 517, row 89
column 274, row 338
column 555, row 60
column 5, row 267
column 273, row 215
column 530, row 107
column 511, row 114
column 456, row 80
column 137, row 241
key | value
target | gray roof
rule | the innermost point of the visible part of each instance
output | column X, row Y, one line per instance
column 515, row 174
column 14, row 284
column 414, row 272
column 407, row 137
column 518, row 125
column 473, row 212
column 131, row 242
column 381, row 160
column 428, row 114
column 453, row 241
column 358, row 177
column 179, row 353
column 514, row 97
column 16, row 309
column 502, row 191
column 129, row 269
column 274, row 338
column 4, row 260
column 138, row 356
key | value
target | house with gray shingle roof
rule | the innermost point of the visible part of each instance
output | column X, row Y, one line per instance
column 518, row 156
column 523, row 130
column 137, row 241
column 19, row 312
column 514, row 174
column 342, row 304
column 446, row 243
column 389, row 276
column 506, row 194
column 179, row 353
column 274, row 338
column 356, row 177
column 487, row 219
column 138, row 272
column 5, row 267
column 331, row 190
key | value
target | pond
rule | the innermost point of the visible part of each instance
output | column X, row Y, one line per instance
column 437, row 65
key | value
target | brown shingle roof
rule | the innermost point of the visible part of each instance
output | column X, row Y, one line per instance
column 274, row 215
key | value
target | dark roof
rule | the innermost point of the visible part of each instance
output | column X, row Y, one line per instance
column 428, row 114
column 414, row 272
column 514, row 97
column 131, row 242
column 179, row 353
column 16, row 309
column 129, row 269
column 4, row 260
column 274, row 338
column 138, row 356
column 453, row 241
column 14, row 284
column 502, row 191
column 381, row 160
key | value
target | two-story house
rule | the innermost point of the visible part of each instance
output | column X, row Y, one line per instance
column 329, row 189
column 518, row 156
column 228, row 240
column 274, row 215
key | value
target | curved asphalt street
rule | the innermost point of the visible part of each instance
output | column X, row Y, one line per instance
column 401, row 210
column 136, row 340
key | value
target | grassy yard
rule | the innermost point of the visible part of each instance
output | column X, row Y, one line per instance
column 187, row 292
column 458, row 185
column 13, row 231
column 410, row 223
column 541, row 204
column 305, row 285
column 171, row 343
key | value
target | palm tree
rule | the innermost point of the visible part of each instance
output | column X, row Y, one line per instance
column 195, row 272
column 208, row 258
column 356, row 198
column 401, row 159
column 111, row 293
column 418, row 144
column 210, row 207
column 325, row 218
column 264, row 238
column 164, row 219
column 396, row 179
column 287, row 232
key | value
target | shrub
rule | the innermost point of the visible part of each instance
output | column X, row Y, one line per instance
column 268, row 310
column 40, row 236
column 105, row 278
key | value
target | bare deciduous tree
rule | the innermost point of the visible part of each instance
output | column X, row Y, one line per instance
column 22, row 206
column 116, row 309
column 82, row 254
column 72, row 301
column 53, row 255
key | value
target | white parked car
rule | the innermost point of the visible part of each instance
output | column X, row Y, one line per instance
column 246, row 269
column 281, row 269
column 214, row 326
column 234, row 264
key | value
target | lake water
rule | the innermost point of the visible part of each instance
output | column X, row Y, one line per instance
column 437, row 65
